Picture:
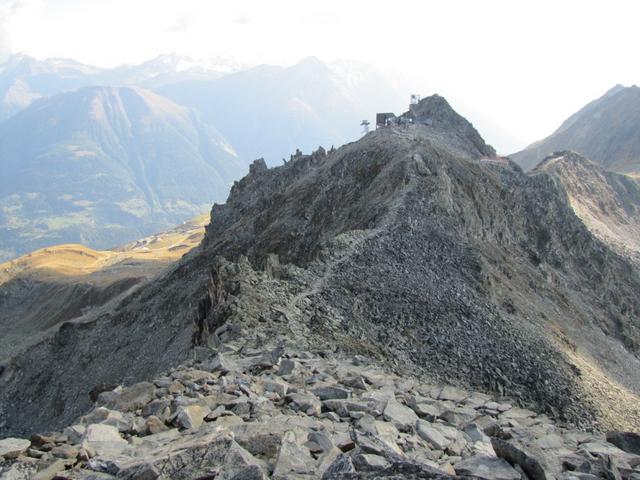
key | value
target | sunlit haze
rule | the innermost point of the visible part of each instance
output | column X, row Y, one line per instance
column 520, row 67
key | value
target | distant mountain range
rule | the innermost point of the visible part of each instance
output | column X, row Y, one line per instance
column 270, row 111
column 105, row 165
column 606, row 130
column 24, row 79
column 265, row 111
column 104, row 156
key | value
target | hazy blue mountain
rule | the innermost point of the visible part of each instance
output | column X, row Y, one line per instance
column 606, row 130
column 265, row 111
column 24, row 79
column 269, row 111
column 104, row 165
column 171, row 68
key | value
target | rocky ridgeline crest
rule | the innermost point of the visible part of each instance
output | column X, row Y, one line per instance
column 378, row 272
column 285, row 413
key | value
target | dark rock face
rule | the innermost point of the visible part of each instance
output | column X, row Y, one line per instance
column 529, row 464
column 408, row 246
column 627, row 441
column 605, row 130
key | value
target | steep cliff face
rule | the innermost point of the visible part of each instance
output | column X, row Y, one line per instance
column 414, row 246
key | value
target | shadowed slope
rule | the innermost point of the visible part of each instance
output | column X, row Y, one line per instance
column 44, row 288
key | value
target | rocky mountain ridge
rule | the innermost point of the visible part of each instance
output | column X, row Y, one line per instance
column 414, row 247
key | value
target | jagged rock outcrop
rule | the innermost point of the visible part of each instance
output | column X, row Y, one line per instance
column 413, row 246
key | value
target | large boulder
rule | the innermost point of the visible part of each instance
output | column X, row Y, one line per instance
column 401, row 416
column 331, row 392
column 128, row 399
column 103, row 439
column 293, row 459
column 13, row 447
column 432, row 435
column 204, row 457
column 190, row 417
column 517, row 456
column 489, row 468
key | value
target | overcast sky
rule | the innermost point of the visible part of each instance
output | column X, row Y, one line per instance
column 522, row 65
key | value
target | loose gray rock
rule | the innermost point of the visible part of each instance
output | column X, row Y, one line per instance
column 452, row 394
column 432, row 435
column 293, row 459
column 159, row 408
column 330, row 392
column 219, row 363
column 489, row 468
column 190, row 417
column 401, row 416
column 305, row 402
column 103, row 439
column 287, row 366
column 341, row 466
column 368, row 462
column 530, row 465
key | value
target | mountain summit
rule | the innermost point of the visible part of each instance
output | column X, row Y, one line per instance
column 435, row 113
column 606, row 130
